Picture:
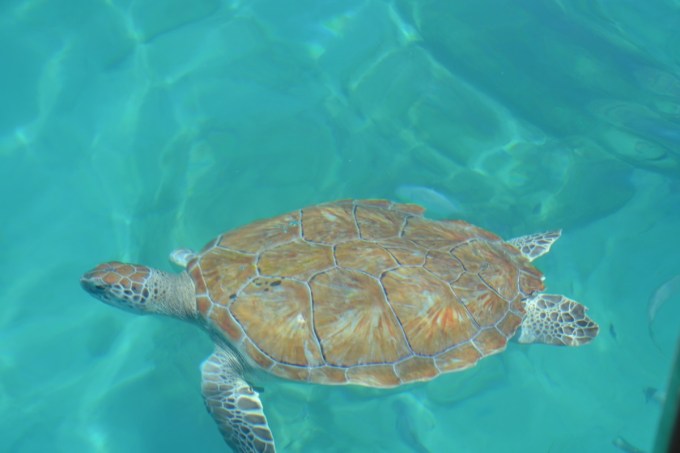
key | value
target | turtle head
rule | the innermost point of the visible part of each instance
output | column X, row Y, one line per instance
column 130, row 287
column 140, row 289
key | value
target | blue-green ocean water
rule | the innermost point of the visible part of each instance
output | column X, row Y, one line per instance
column 131, row 127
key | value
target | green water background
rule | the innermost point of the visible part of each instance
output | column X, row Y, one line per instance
column 129, row 128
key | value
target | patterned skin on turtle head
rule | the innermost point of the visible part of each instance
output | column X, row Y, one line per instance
column 141, row 290
column 121, row 285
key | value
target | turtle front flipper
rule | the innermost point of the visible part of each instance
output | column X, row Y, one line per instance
column 181, row 257
column 234, row 405
column 558, row 320
column 536, row 245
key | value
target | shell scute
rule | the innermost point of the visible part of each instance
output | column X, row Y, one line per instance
column 271, row 309
column 444, row 265
column 329, row 223
column 485, row 306
column 365, row 256
column 328, row 375
column 223, row 273
column 353, row 320
column 256, row 355
column 430, row 234
column 373, row 376
column 416, row 368
column 378, row 223
column 222, row 318
column 431, row 317
column 490, row 340
column 203, row 305
column 458, row 358
column 509, row 324
column 411, row 256
column 263, row 234
column 408, row 208
column 294, row 373
column 299, row 259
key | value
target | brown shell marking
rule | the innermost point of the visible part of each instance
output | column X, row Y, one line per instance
column 354, row 321
column 364, row 292
column 432, row 318
column 263, row 234
column 286, row 310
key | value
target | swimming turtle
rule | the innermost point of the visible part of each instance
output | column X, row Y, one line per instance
column 363, row 292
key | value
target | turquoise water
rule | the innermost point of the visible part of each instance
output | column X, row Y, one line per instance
column 130, row 128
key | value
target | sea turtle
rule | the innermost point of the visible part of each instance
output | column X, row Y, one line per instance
column 364, row 292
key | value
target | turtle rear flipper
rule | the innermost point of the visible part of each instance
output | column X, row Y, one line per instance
column 558, row 320
column 534, row 246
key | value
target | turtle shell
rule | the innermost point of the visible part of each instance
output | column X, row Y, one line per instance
column 364, row 292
